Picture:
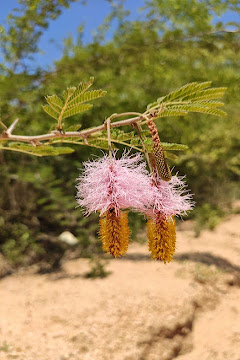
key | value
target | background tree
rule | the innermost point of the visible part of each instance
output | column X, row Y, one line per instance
column 177, row 42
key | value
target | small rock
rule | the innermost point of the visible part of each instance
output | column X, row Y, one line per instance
column 68, row 238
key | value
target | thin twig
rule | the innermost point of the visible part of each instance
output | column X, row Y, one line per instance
column 139, row 131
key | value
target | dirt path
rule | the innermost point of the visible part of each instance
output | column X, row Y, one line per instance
column 144, row 310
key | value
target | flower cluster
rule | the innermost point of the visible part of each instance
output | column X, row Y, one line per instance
column 110, row 185
column 113, row 184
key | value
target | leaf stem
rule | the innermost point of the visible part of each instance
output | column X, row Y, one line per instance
column 139, row 131
column 59, row 126
column 108, row 124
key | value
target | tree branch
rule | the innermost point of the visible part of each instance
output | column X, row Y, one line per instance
column 7, row 135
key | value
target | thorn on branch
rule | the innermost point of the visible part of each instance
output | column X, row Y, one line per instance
column 35, row 143
column 85, row 140
column 12, row 127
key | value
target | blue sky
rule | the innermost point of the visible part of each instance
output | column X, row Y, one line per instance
column 91, row 15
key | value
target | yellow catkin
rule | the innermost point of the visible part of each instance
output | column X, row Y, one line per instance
column 161, row 238
column 114, row 233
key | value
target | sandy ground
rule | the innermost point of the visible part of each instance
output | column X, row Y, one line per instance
column 144, row 310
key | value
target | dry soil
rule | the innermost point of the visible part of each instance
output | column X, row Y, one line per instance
column 144, row 310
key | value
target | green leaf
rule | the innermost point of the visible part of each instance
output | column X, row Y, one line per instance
column 211, row 103
column 117, row 134
column 153, row 104
column 42, row 150
column 62, row 150
column 173, row 146
column 75, row 127
column 50, row 111
column 165, row 145
column 173, row 112
column 67, row 140
column 76, row 110
column 135, row 141
column 184, row 91
column 96, row 143
column 170, row 156
column 208, row 94
column 76, row 91
column 100, row 144
column 193, row 97
column 83, row 86
column 54, row 100
column 199, row 108
column 74, row 97
column 87, row 96
column 69, row 92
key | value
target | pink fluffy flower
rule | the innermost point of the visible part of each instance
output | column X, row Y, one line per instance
column 168, row 198
column 113, row 184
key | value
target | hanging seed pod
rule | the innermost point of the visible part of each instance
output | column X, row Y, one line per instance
column 160, row 161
